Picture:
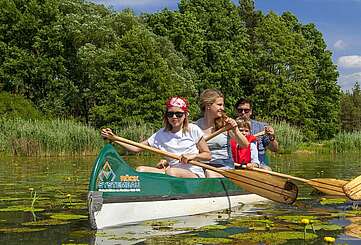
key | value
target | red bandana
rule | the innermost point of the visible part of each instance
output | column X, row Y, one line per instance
column 177, row 102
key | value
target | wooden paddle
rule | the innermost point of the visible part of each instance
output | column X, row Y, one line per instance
column 324, row 185
column 328, row 186
column 224, row 129
column 353, row 189
column 271, row 187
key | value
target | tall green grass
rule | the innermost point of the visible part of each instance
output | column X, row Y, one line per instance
column 288, row 137
column 47, row 137
column 345, row 142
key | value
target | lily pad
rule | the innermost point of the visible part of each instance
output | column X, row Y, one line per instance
column 327, row 227
column 296, row 218
column 274, row 237
column 63, row 216
column 46, row 222
column 21, row 209
column 21, row 230
column 202, row 240
column 328, row 201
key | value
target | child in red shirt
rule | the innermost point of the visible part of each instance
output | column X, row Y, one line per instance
column 248, row 156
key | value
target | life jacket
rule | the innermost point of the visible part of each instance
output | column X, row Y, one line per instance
column 242, row 155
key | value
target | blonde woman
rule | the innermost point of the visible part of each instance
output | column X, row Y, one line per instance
column 178, row 136
column 212, row 108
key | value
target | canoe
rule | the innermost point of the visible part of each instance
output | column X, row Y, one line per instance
column 119, row 195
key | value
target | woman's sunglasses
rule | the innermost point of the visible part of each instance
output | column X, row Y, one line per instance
column 178, row 114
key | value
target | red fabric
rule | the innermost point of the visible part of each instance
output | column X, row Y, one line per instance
column 177, row 102
column 242, row 155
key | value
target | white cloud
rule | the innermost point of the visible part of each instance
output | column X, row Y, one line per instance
column 339, row 44
column 347, row 82
column 352, row 61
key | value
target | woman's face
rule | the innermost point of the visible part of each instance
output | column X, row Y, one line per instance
column 217, row 107
column 175, row 116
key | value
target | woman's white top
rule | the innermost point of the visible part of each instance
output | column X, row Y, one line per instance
column 179, row 143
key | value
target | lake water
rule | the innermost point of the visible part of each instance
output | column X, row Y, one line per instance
column 56, row 190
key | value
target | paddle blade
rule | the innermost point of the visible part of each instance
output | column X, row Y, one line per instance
column 328, row 186
column 353, row 189
column 271, row 187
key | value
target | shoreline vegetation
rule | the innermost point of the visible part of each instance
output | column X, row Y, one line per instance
column 63, row 137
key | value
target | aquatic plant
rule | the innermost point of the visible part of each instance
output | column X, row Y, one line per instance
column 345, row 142
column 329, row 240
column 63, row 216
column 279, row 237
column 69, row 198
column 326, row 201
column 289, row 137
column 305, row 223
column 47, row 137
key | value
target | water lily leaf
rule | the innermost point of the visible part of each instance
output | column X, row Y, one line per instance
column 327, row 227
column 202, row 240
column 21, row 209
column 328, row 201
column 46, row 222
column 63, row 216
column 21, row 230
column 296, row 218
column 274, row 237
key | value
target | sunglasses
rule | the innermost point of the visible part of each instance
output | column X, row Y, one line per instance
column 178, row 114
column 244, row 130
column 240, row 110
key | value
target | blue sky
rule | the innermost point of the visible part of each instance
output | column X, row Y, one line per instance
column 338, row 20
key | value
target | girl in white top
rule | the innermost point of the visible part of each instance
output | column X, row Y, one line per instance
column 178, row 136
column 212, row 107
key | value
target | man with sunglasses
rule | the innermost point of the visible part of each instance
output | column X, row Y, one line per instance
column 244, row 111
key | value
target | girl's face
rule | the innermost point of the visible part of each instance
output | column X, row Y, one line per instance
column 175, row 116
column 217, row 107
column 244, row 131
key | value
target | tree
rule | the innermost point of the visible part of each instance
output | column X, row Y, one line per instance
column 351, row 109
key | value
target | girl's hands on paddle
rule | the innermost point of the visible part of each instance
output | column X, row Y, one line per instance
column 107, row 133
column 230, row 123
column 185, row 158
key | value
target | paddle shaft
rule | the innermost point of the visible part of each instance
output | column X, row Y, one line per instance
column 327, row 186
column 276, row 189
column 166, row 154
column 224, row 129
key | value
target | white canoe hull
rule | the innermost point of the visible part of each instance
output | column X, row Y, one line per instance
column 115, row 214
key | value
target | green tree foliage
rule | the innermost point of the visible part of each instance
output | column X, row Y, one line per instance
column 16, row 106
column 275, row 60
column 351, row 109
column 212, row 37
column 76, row 59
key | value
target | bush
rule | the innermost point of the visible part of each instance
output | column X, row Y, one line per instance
column 16, row 106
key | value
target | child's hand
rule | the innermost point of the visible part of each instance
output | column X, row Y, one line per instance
column 162, row 164
column 252, row 165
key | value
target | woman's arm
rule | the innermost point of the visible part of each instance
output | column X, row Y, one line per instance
column 203, row 155
column 107, row 133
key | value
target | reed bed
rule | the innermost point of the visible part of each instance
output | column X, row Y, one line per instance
column 288, row 137
column 345, row 142
column 134, row 131
column 47, row 138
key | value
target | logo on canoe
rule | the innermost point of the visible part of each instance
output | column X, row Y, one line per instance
column 109, row 182
column 107, row 173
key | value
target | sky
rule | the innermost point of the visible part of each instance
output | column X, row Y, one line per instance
column 338, row 20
